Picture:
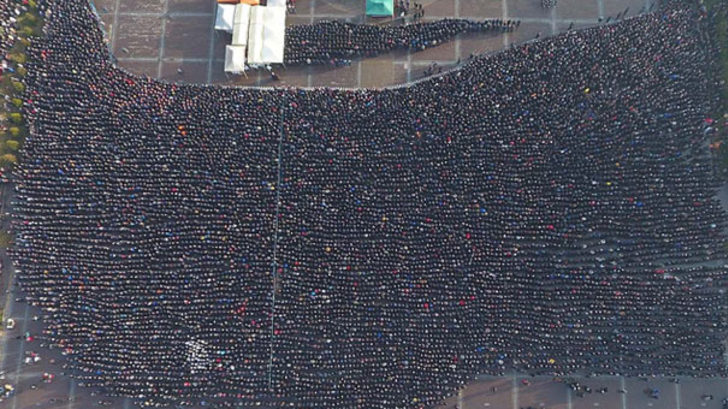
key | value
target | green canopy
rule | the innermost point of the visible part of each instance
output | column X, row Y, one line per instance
column 380, row 7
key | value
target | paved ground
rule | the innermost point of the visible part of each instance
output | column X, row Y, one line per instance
column 156, row 37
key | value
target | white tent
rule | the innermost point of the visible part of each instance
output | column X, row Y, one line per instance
column 234, row 59
column 225, row 17
column 266, row 35
column 276, row 3
column 240, row 24
column 255, row 35
column 274, row 34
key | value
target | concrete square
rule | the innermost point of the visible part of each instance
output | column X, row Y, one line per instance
column 542, row 392
column 376, row 73
column 187, row 37
column 220, row 77
column 107, row 21
column 528, row 8
column 477, row 44
column 638, row 396
column 104, row 6
column 254, row 78
column 294, row 20
column 613, row 7
column 417, row 72
column 192, row 72
column 148, row 68
column 296, row 76
column 380, row 21
column 141, row 6
column 481, row 9
column 479, row 394
column 339, row 7
column 580, row 9
column 222, row 39
column 528, row 31
column 441, row 52
column 305, row 7
column 191, row 6
column 139, row 35
column 399, row 54
column 439, row 8
column 292, row 76
column 328, row 18
column 693, row 390
column 400, row 74
column 562, row 27
column 612, row 399
column 335, row 76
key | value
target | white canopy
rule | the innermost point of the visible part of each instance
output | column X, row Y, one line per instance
column 240, row 25
column 234, row 59
column 266, row 35
column 274, row 34
column 255, row 35
column 225, row 17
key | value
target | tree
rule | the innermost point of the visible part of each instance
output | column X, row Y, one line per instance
column 27, row 19
column 17, row 102
column 22, row 71
column 26, row 31
column 6, row 239
column 19, row 87
column 8, row 159
column 18, row 58
column 14, row 131
column 12, row 145
column 16, row 117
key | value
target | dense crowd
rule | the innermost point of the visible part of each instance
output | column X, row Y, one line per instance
column 9, row 11
column 550, row 209
column 7, row 19
column 337, row 42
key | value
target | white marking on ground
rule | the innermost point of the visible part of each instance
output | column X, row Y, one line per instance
column 7, row 313
column 457, row 38
column 168, row 59
column 274, row 275
column 600, row 5
column 211, row 50
column 514, row 393
column 161, row 40
column 19, row 366
column 358, row 74
column 568, row 399
column 72, row 394
column 677, row 395
column 506, row 36
column 167, row 14
column 114, row 25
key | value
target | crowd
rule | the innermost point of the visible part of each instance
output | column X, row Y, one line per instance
column 7, row 28
column 550, row 208
column 337, row 42
column 9, row 11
